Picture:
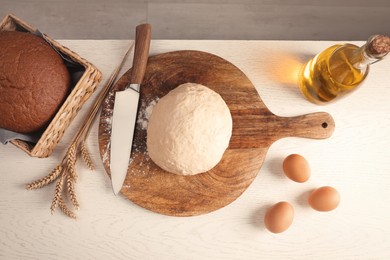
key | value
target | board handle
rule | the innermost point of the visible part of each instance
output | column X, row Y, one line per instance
column 318, row 125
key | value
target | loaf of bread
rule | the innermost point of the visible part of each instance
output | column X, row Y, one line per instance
column 34, row 82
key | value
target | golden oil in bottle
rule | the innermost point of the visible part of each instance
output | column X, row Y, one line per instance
column 338, row 70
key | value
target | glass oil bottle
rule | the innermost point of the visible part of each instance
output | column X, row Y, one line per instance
column 340, row 69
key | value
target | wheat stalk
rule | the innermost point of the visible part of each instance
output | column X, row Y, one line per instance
column 66, row 170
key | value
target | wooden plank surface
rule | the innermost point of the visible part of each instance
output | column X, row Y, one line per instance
column 354, row 160
column 206, row 19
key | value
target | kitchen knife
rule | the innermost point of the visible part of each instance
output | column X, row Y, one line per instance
column 125, row 110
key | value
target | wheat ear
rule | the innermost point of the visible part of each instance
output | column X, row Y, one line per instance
column 45, row 180
column 86, row 156
column 71, row 192
column 65, row 209
column 71, row 158
column 57, row 194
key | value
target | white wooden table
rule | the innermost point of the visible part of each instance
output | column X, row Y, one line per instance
column 355, row 160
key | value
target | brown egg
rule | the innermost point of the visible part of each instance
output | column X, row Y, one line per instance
column 279, row 217
column 324, row 199
column 296, row 168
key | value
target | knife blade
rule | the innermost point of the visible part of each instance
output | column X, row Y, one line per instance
column 125, row 111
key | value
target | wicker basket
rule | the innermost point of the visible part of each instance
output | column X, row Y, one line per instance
column 79, row 94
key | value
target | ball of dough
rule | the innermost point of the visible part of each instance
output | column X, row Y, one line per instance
column 189, row 130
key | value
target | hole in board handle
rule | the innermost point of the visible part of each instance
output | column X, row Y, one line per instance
column 324, row 125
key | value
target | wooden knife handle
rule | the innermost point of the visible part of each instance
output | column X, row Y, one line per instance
column 141, row 53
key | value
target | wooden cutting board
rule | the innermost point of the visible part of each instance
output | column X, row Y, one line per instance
column 255, row 128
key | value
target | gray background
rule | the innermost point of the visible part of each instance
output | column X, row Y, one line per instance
column 206, row 19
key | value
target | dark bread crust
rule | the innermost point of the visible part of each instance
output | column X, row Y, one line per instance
column 34, row 82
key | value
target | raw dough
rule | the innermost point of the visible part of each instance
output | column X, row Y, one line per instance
column 189, row 130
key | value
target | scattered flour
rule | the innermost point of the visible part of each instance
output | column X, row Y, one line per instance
column 145, row 112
